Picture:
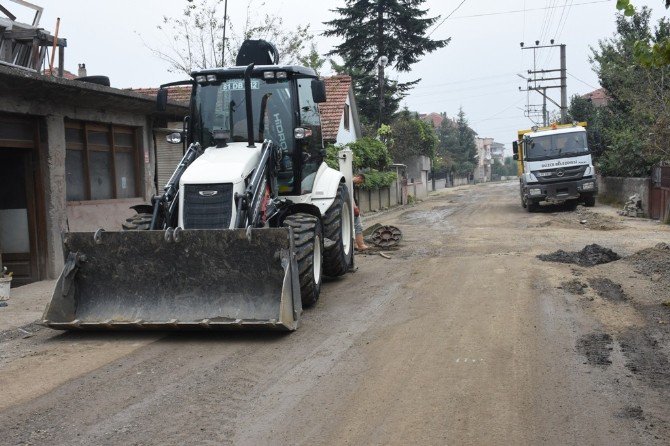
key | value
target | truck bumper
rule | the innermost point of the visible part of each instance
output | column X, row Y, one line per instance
column 560, row 192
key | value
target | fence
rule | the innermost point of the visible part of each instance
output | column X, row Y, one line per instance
column 659, row 194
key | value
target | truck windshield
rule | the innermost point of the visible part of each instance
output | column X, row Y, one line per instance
column 221, row 107
column 556, row 146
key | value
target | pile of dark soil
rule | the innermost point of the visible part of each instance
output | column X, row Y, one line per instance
column 574, row 286
column 608, row 290
column 653, row 262
column 645, row 356
column 591, row 255
column 596, row 347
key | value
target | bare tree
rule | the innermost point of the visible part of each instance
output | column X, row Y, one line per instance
column 194, row 39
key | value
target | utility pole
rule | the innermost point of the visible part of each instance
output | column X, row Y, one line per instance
column 225, row 21
column 564, row 87
column 538, row 79
column 381, row 63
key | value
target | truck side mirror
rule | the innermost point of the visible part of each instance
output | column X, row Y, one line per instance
column 161, row 99
column 515, row 147
column 318, row 91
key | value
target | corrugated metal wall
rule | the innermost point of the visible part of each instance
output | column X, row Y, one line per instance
column 168, row 157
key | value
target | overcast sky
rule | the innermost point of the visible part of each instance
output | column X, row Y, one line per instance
column 477, row 70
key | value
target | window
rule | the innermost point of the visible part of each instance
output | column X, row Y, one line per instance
column 346, row 116
column 311, row 146
column 101, row 161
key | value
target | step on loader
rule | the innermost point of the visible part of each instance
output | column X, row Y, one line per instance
column 244, row 231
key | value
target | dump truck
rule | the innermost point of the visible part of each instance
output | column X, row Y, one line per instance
column 555, row 166
column 243, row 232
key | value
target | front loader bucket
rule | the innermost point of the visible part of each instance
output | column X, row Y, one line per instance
column 193, row 279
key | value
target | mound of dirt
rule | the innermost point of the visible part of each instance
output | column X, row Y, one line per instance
column 586, row 219
column 608, row 290
column 591, row 255
column 653, row 262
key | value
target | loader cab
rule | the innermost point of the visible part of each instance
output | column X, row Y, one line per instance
column 284, row 103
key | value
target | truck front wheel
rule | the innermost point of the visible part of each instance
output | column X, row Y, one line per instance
column 590, row 201
column 531, row 206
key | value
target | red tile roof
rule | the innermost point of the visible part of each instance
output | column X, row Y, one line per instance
column 337, row 90
column 598, row 97
column 178, row 93
column 66, row 74
column 435, row 118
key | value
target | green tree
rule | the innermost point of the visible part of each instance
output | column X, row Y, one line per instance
column 466, row 150
column 634, row 126
column 582, row 109
column 313, row 60
column 410, row 136
column 369, row 29
column 366, row 89
column 648, row 52
column 457, row 146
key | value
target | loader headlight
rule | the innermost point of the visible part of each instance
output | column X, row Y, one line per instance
column 268, row 75
column 200, row 79
column 211, row 78
column 281, row 74
column 589, row 186
column 535, row 191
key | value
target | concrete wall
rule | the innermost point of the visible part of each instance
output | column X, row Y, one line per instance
column 52, row 156
column 376, row 199
column 621, row 189
column 83, row 216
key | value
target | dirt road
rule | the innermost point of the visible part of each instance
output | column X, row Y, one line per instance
column 462, row 337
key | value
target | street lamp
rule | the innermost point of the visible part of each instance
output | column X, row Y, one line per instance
column 381, row 63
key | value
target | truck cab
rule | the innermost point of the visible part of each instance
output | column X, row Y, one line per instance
column 555, row 166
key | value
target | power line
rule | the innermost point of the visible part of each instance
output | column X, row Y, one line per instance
column 445, row 19
column 585, row 83
column 516, row 11
column 462, row 81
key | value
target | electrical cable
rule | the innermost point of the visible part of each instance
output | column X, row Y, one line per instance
column 516, row 11
column 447, row 17
column 585, row 83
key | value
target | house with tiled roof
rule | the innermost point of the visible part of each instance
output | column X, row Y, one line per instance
column 434, row 118
column 179, row 94
column 339, row 114
column 598, row 98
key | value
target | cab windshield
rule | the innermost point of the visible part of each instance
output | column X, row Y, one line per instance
column 556, row 146
column 221, row 108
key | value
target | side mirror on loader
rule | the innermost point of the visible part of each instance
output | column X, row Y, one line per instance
column 318, row 91
column 515, row 157
column 161, row 99
column 515, row 147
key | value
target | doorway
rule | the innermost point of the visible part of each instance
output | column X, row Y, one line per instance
column 21, row 241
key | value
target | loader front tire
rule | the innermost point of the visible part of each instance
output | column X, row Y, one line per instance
column 138, row 222
column 338, row 228
column 308, row 244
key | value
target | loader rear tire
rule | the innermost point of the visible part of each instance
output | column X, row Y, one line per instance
column 308, row 244
column 337, row 227
column 138, row 222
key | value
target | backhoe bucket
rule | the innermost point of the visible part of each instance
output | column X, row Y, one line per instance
column 191, row 279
